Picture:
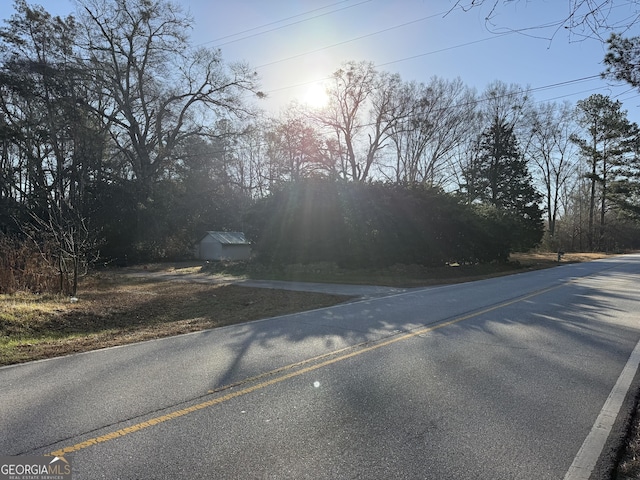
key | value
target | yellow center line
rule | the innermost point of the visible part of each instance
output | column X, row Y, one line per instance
column 194, row 408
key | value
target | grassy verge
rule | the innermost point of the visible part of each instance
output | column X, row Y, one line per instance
column 115, row 309
column 405, row 276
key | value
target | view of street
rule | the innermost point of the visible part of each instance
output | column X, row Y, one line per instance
column 501, row 378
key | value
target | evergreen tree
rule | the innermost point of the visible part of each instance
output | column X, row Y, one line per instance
column 501, row 179
column 607, row 148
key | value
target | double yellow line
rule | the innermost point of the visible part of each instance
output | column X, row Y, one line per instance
column 263, row 384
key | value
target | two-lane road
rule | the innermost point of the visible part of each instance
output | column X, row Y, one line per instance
column 498, row 379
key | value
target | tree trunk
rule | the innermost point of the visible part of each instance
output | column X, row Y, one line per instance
column 603, row 205
column 592, row 206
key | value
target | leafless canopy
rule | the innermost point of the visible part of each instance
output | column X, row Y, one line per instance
column 583, row 18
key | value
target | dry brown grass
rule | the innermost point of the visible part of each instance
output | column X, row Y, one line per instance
column 541, row 258
column 629, row 465
column 114, row 311
column 24, row 267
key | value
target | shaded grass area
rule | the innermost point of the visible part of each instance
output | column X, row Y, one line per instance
column 113, row 310
column 405, row 276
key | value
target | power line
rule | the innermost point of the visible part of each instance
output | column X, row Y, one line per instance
column 443, row 167
column 377, row 32
column 402, row 25
column 381, row 64
column 518, row 92
column 284, row 26
column 395, row 27
column 405, row 59
column 523, row 91
column 561, row 84
column 413, row 57
column 442, row 50
column 273, row 23
column 570, row 94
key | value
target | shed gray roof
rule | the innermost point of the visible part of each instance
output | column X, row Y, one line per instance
column 229, row 238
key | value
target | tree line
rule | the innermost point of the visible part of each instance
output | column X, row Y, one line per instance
column 121, row 142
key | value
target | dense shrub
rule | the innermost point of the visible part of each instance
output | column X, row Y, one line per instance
column 360, row 225
column 302, row 223
column 24, row 267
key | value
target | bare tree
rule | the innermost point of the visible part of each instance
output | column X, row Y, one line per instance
column 52, row 141
column 296, row 146
column 505, row 103
column 160, row 90
column 246, row 162
column 550, row 149
column 439, row 116
column 574, row 201
column 583, row 18
column 361, row 113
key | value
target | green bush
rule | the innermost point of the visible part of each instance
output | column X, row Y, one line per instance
column 361, row 225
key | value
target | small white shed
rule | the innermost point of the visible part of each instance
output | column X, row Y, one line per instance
column 223, row 246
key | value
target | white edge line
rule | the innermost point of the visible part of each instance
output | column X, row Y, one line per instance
column 586, row 458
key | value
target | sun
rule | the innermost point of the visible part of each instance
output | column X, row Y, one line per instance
column 316, row 96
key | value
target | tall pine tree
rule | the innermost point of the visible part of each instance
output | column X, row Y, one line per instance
column 501, row 179
column 607, row 147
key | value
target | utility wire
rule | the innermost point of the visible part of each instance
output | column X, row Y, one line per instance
column 518, row 92
column 283, row 26
column 395, row 27
column 393, row 61
column 384, row 30
column 570, row 94
column 273, row 23
column 480, row 100
column 403, row 60
column 377, row 32
column 378, row 65
column 442, row 50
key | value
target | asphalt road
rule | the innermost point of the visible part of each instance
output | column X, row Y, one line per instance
column 498, row 379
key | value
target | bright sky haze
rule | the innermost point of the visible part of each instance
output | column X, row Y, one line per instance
column 295, row 45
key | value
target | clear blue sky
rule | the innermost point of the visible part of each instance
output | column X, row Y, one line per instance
column 293, row 44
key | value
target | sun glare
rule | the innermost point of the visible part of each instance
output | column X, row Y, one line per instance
column 315, row 96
